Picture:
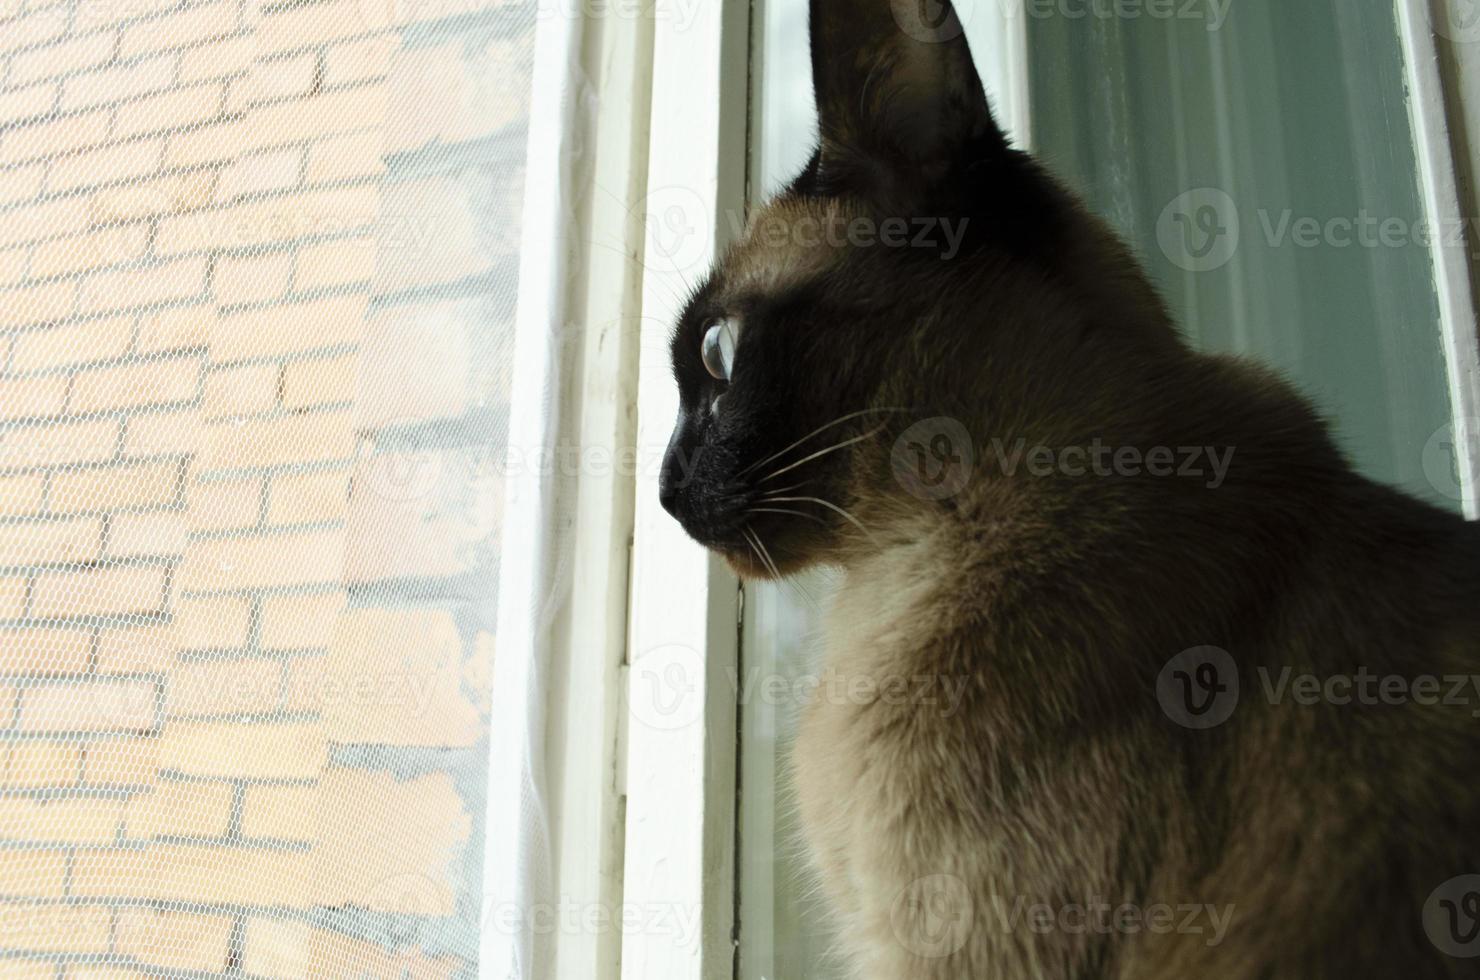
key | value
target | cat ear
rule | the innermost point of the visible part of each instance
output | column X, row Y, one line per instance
column 896, row 85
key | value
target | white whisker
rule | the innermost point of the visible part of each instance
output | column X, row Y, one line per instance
column 794, row 486
column 817, row 432
column 795, row 587
column 782, row 510
column 761, row 550
column 818, row 455
column 750, row 541
column 767, row 553
column 804, row 595
column 830, row 506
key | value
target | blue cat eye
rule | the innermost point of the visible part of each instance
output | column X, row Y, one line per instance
column 719, row 349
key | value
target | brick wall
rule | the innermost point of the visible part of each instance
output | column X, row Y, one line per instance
column 256, row 277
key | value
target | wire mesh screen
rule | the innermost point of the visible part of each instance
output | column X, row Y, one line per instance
column 257, row 276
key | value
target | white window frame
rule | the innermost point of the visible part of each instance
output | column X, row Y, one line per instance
column 640, row 810
column 587, row 723
column 1432, row 109
column 679, row 870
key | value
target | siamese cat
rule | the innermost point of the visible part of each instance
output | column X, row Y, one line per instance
column 1099, row 716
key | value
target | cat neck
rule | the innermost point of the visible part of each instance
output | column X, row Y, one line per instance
column 1111, row 532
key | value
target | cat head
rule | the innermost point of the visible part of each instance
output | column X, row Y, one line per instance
column 875, row 291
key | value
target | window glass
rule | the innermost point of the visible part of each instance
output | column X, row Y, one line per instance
column 1258, row 155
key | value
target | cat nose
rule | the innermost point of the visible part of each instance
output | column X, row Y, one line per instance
column 668, row 476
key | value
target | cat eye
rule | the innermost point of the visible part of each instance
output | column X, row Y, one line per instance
column 719, row 349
